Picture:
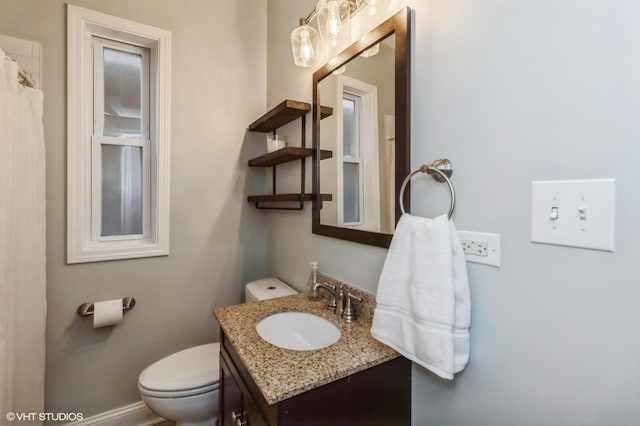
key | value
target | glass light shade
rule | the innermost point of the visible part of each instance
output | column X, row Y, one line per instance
column 333, row 21
column 305, row 45
column 372, row 51
column 377, row 6
column 340, row 70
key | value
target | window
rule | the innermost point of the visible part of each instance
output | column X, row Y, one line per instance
column 352, row 196
column 120, row 142
column 118, row 147
column 358, row 195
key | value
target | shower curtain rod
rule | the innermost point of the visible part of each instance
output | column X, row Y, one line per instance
column 23, row 77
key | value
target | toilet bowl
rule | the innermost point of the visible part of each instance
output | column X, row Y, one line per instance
column 184, row 386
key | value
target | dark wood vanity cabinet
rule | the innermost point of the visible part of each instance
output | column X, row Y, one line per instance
column 380, row 395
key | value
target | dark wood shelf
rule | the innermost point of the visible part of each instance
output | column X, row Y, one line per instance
column 284, row 113
column 285, row 155
column 285, row 198
column 325, row 112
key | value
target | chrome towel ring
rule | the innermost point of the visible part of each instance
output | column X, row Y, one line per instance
column 441, row 170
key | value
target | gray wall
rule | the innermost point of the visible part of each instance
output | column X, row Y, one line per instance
column 217, row 241
column 510, row 91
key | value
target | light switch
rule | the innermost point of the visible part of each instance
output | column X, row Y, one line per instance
column 575, row 213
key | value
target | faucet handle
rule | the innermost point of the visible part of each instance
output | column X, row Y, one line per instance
column 339, row 301
column 349, row 313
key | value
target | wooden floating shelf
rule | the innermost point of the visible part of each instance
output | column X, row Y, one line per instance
column 285, row 155
column 284, row 113
column 286, row 198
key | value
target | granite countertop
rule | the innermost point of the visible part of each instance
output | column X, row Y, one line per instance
column 283, row 373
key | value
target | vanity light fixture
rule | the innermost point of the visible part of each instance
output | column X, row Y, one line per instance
column 332, row 18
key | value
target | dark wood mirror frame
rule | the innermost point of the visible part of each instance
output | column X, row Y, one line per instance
column 400, row 25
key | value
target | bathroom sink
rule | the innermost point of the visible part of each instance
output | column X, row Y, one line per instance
column 298, row 331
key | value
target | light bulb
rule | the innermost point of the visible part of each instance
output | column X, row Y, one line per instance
column 306, row 48
column 334, row 24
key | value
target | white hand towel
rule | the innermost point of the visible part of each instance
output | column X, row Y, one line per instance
column 423, row 306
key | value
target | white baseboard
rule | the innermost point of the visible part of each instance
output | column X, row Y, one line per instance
column 137, row 414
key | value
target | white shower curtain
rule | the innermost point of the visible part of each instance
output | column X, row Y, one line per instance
column 22, row 245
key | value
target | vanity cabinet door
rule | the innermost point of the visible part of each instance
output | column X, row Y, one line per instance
column 252, row 414
column 237, row 407
column 231, row 397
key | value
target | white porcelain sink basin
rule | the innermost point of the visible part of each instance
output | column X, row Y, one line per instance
column 298, row 331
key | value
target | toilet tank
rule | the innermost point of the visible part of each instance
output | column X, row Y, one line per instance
column 266, row 288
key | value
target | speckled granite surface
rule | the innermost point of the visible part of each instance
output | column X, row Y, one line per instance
column 282, row 373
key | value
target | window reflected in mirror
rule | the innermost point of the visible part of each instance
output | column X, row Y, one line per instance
column 360, row 133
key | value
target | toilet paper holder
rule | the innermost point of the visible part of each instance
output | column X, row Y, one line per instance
column 86, row 309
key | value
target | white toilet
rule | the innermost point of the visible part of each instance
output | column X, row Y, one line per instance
column 184, row 386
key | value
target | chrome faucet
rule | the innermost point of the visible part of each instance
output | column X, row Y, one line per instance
column 337, row 303
column 341, row 302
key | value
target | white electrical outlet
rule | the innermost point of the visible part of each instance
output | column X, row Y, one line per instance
column 481, row 247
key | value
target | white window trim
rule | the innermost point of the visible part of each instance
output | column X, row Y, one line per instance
column 368, row 154
column 82, row 25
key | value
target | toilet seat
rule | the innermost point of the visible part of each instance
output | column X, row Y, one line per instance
column 178, row 394
column 189, row 372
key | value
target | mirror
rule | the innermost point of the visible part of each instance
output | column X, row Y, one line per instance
column 361, row 150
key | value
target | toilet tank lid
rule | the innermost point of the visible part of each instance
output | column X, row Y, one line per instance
column 268, row 288
column 188, row 369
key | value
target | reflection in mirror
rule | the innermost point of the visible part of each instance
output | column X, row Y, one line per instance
column 367, row 87
column 360, row 133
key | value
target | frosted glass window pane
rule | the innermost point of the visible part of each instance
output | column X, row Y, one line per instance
column 351, row 202
column 122, row 94
column 348, row 122
column 121, row 190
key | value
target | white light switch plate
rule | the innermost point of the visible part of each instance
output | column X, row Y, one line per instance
column 575, row 213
